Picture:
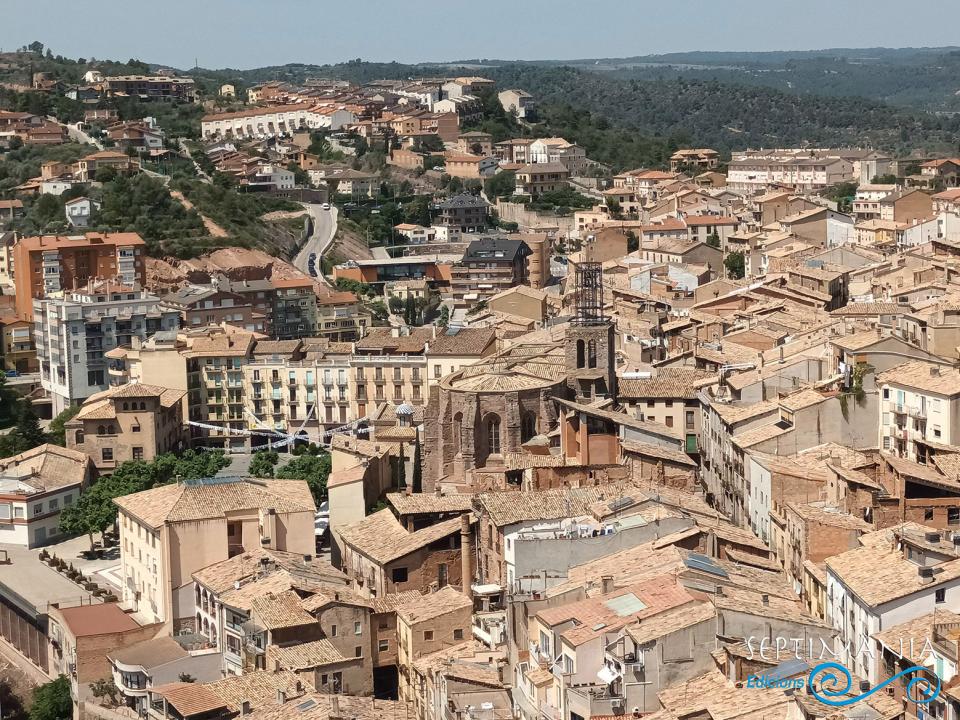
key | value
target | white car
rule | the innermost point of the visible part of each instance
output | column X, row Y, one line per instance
column 321, row 520
column 326, row 206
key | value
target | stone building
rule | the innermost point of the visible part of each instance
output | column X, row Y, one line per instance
column 483, row 412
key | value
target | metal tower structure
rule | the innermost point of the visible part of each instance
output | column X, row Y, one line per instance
column 589, row 294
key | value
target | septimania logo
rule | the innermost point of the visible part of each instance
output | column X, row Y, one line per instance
column 832, row 684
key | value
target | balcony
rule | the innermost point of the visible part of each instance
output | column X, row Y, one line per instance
column 593, row 700
column 919, row 412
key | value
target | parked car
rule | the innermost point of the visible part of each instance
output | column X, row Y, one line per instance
column 321, row 520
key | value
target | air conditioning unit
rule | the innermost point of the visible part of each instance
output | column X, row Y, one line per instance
column 616, row 704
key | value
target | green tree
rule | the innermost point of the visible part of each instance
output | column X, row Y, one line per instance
column 613, row 205
column 57, row 433
column 417, row 469
column 633, row 242
column 735, row 265
column 51, row 701
column 313, row 469
column 26, row 434
column 105, row 691
column 263, row 463
column 95, row 512
column 443, row 320
column 713, row 239
column 409, row 311
column 395, row 304
column 9, row 403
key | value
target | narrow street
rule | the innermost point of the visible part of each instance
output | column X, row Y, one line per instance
column 324, row 230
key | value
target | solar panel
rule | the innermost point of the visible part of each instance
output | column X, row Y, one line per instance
column 789, row 668
column 213, row 480
column 702, row 563
column 621, row 503
column 627, row 604
column 306, row 705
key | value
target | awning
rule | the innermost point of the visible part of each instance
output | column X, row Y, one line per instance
column 608, row 674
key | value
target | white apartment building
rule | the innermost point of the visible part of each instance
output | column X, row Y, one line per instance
column 866, row 202
column 73, row 332
column 275, row 121
column 804, row 170
column 35, row 486
column 887, row 582
column 919, row 407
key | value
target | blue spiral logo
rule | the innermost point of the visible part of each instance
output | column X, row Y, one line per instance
column 835, row 681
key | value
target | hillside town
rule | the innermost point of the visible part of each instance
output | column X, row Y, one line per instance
column 495, row 431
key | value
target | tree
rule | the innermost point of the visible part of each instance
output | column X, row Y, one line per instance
column 633, row 242
column 51, row 701
column 105, row 691
column 444, row 318
column 263, row 463
column 95, row 512
column 410, row 311
column 395, row 304
column 314, row 469
column 417, row 469
column 36, row 47
column 187, row 678
column 735, row 265
column 888, row 179
column 713, row 239
column 26, row 435
column 9, row 402
column 57, row 433
column 613, row 205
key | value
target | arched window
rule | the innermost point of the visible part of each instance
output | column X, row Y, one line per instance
column 110, row 430
column 78, row 438
column 197, row 588
column 493, row 435
column 528, row 426
column 592, row 354
column 143, row 406
column 101, row 430
column 580, row 354
column 457, row 432
column 126, row 406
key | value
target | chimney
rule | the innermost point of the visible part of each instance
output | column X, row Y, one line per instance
column 334, row 706
column 408, row 489
column 606, row 584
column 281, row 696
column 466, row 556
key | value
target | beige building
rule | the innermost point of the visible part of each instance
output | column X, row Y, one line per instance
column 169, row 532
column 438, row 621
column 919, row 409
column 458, row 348
column 128, row 422
column 224, row 593
column 34, row 487
column 381, row 556
column 536, row 179
column 520, row 301
column 80, row 638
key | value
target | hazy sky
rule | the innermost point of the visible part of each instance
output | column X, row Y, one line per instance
column 253, row 33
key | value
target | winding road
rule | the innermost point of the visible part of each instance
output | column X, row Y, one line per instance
column 324, row 230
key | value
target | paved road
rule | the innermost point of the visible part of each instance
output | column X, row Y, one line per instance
column 77, row 135
column 324, row 230
column 196, row 166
